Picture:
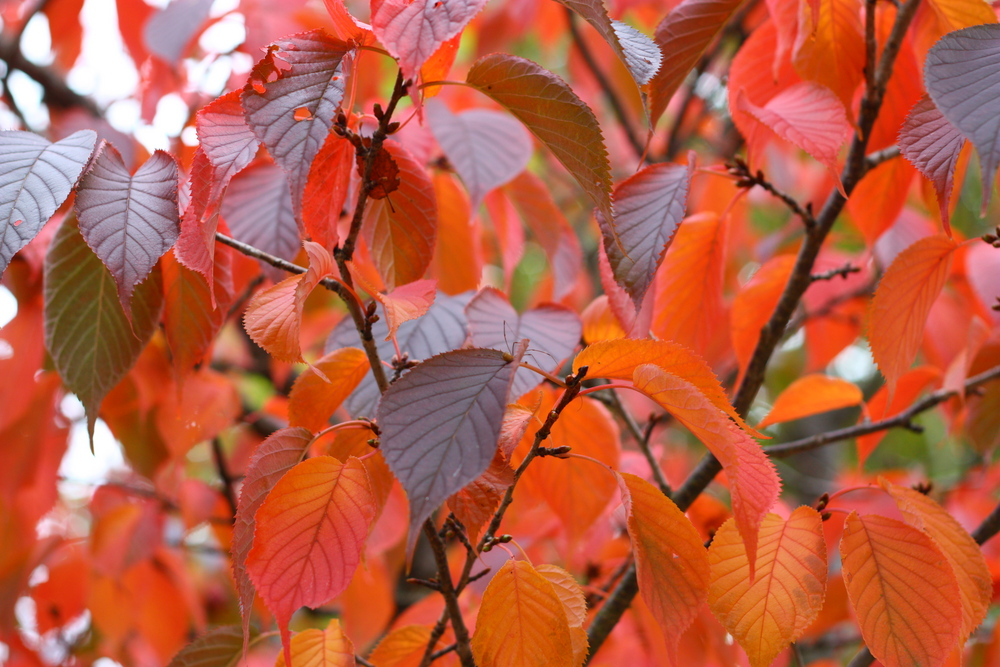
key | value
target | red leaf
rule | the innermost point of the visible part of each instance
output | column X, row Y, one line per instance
column 754, row 484
column 457, row 236
column 310, row 533
column 129, row 221
column 326, row 189
column 903, row 301
column 755, row 303
column 225, row 137
column 810, row 395
column 412, row 30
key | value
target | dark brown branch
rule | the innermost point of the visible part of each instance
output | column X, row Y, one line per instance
column 843, row 272
column 609, row 92
column 878, row 157
column 56, row 92
column 448, row 592
column 223, row 471
column 748, row 179
column 614, row 404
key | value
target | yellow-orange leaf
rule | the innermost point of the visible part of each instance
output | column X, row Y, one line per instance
column 812, row 395
column 320, row 648
column 403, row 647
column 574, row 605
column 788, row 591
column 753, row 481
column 830, row 48
column 903, row 591
column 274, row 317
column 671, row 563
column 521, row 621
column 975, row 584
column 599, row 322
column 618, row 359
column 754, row 304
column 314, row 397
column 310, row 532
column 902, row 302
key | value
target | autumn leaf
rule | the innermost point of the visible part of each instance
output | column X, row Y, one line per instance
column 220, row 646
column 403, row 647
column 753, row 481
column 754, row 304
column 574, row 604
column 475, row 503
column 225, row 137
column 554, row 114
column 129, row 220
column 829, row 49
column 322, row 387
column 975, row 583
column 326, row 189
column 319, row 648
column 672, row 565
column 403, row 304
column 440, row 424
column 765, row 614
column 908, row 389
column 905, row 619
column 270, row 461
column 812, row 395
column 457, row 236
column 35, row 180
column 521, row 622
column 902, row 303
column 310, row 533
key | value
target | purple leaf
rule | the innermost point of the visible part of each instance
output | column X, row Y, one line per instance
column 92, row 343
column 640, row 54
column 553, row 331
column 440, row 424
column 932, row 145
column 309, row 87
column 168, row 31
column 225, row 137
column 258, row 210
column 129, row 221
column 35, row 178
column 649, row 206
column 962, row 75
column 487, row 148
column 441, row 329
column 269, row 462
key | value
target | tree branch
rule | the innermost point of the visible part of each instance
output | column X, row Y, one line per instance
column 614, row 404
column 450, row 595
column 56, row 92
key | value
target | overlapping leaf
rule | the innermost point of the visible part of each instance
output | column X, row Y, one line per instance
column 225, row 137
column 299, row 75
column 440, row 424
column 765, row 614
column 753, row 482
column 314, row 398
column 129, row 220
column 554, row 114
column 35, row 179
column 521, row 622
column 962, row 75
column 903, row 591
column 903, row 301
column 683, row 36
column 932, row 145
column 618, row 359
column 326, row 189
column 811, row 395
column 975, row 584
column 168, row 31
column 412, row 30
column 329, row 647
column 552, row 331
column 830, row 48
column 92, row 343
column 574, row 604
column 755, row 303
column 270, row 461
column 258, row 208
column 649, row 206
column 219, row 647
column 671, row 564
column 475, row 503
column 487, row 148
column 403, row 304
column 310, row 534
column 400, row 229
column 639, row 53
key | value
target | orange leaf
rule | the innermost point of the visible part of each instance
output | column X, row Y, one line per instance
column 975, row 584
column 475, row 504
column 830, row 47
column 618, row 359
column 274, row 317
column 754, row 484
column 788, row 592
column 403, row 647
column 878, row 199
column 909, row 387
column 902, row 302
column 407, row 302
column 310, row 532
column 671, row 562
column 457, row 237
column 326, row 189
column 811, row 395
column 322, row 387
column 755, row 303
column 207, row 404
column 902, row 590
column 689, row 307
column 574, row 604
column 319, row 648
column 521, row 621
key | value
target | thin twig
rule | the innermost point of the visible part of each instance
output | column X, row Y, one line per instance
column 445, row 585
column 223, row 470
column 843, row 271
column 873, row 160
column 748, row 179
column 609, row 92
column 614, row 403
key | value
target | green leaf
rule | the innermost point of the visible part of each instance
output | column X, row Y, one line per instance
column 86, row 330
column 554, row 114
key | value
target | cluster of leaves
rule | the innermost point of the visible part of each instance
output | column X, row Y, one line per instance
column 415, row 416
